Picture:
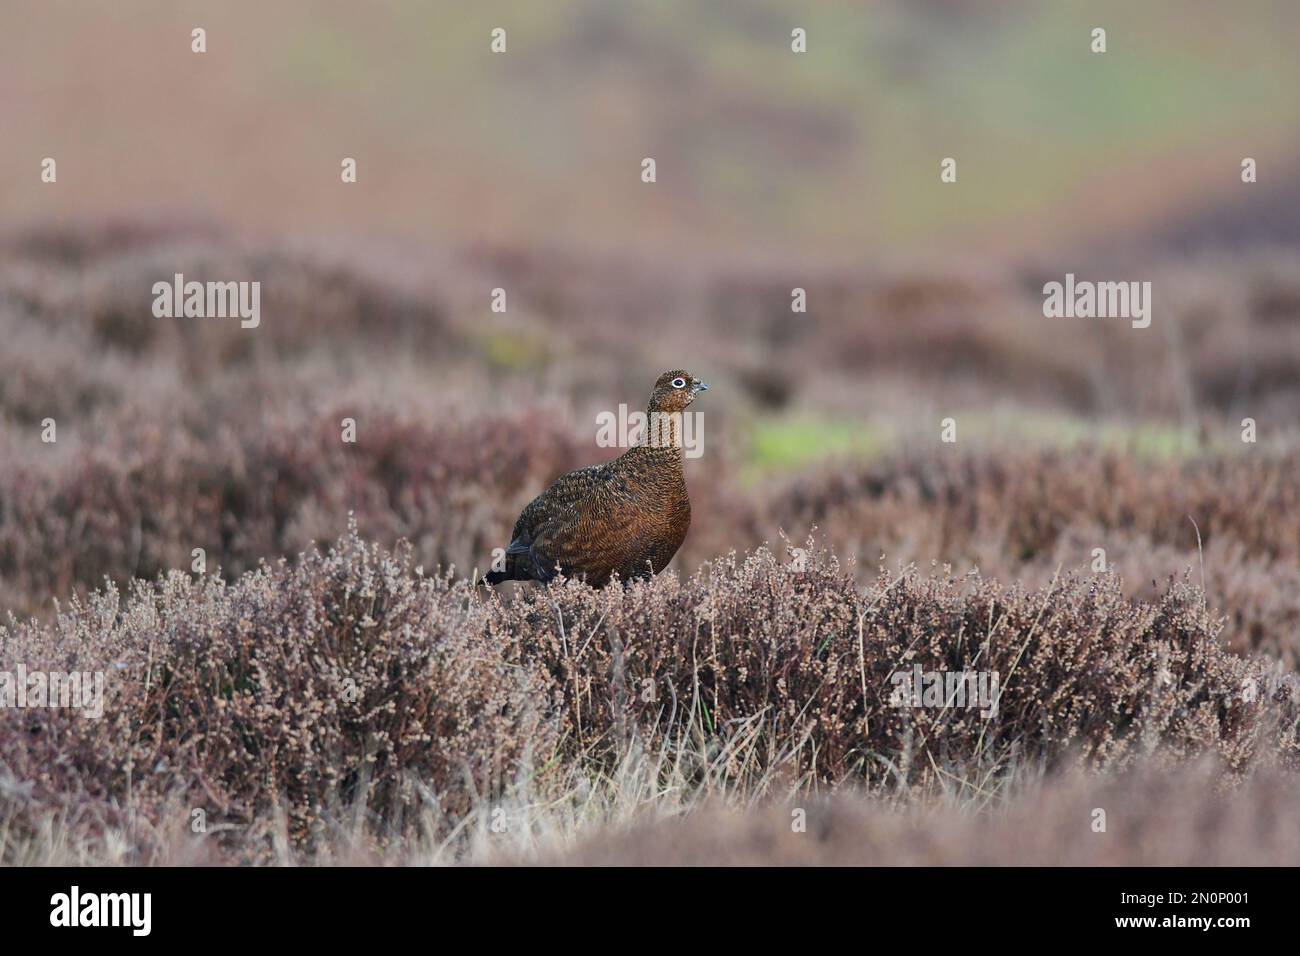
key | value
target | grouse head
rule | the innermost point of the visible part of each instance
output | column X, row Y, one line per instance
column 674, row 391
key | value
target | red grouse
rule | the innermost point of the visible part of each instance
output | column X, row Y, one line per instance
column 626, row 517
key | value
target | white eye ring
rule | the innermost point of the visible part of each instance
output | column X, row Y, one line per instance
column 679, row 383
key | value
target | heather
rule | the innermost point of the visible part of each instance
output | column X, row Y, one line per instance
column 303, row 665
column 138, row 503
column 353, row 685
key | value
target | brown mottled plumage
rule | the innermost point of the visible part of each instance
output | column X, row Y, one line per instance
column 626, row 517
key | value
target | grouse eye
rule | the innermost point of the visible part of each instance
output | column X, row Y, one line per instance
column 679, row 383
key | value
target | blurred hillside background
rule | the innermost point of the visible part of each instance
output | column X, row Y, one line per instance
column 832, row 155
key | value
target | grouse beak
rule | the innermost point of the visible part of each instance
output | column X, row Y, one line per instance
column 699, row 387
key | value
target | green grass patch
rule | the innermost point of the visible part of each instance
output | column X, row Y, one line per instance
column 1152, row 439
column 788, row 444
